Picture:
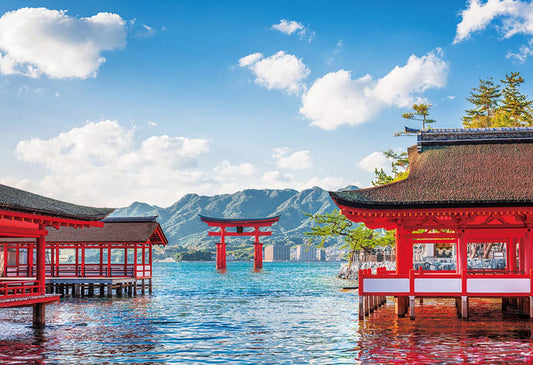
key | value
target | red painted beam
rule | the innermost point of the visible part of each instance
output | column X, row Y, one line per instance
column 240, row 234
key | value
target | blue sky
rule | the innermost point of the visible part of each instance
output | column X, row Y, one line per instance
column 111, row 102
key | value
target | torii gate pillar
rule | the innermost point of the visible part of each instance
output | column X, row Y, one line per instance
column 221, row 253
column 258, row 253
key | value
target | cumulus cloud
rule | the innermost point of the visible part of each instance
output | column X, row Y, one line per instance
column 298, row 160
column 226, row 169
column 336, row 99
column 291, row 26
column 288, row 26
column 280, row 71
column 100, row 163
column 39, row 41
column 516, row 17
column 375, row 160
column 104, row 164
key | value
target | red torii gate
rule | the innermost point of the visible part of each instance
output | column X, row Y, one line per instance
column 239, row 224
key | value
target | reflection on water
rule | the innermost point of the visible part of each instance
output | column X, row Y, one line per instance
column 438, row 336
column 291, row 313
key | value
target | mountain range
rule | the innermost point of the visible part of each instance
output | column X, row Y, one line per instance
column 183, row 226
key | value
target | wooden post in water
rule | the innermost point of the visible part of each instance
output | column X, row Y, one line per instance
column 361, row 308
column 464, row 307
column 411, row 307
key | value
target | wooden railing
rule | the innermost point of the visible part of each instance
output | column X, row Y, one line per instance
column 18, row 289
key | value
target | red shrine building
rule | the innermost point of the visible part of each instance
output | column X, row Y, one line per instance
column 238, row 226
column 117, row 256
column 465, row 187
column 31, row 217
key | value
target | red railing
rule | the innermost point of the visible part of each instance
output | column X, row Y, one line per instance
column 488, row 283
column 87, row 270
column 18, row 289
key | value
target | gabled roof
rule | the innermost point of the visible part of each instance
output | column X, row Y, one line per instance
column 458, row 168
column 138, row 230
column 13, row 199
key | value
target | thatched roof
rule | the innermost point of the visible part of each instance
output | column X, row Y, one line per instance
column 136, row 229
column 13, row 199
column 458, row 168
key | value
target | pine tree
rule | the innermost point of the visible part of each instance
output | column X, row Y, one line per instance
column 486, row 99
column 420, row 113
column 515, row 110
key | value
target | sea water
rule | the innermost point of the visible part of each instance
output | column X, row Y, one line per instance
column 288, row 313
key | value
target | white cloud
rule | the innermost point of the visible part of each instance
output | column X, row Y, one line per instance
column 36, row 41
column 516, row 18
column 375, row 160
column 298, row 160
column 226, row 169
column 280, row 71
column 250, row 59
column 151, row 123
column 288, row 26
column 100, row 163
column 336, row 99
column 291, row 26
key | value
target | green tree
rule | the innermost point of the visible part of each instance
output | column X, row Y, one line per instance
column 515, row 109
column 356, row 236
column 486, row 100
column 399, row 169
column 420, row 113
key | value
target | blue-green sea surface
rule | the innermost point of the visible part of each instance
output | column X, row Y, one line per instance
column 289, row 313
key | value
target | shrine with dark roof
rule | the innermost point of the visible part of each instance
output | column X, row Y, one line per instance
column 465, row 186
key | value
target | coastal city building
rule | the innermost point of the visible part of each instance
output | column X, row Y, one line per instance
column 321, row 255
column 305, row 253
column 277, row 252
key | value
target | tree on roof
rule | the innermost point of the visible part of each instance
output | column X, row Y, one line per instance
column 485, row 99
column 494, row 108
column 515, row 108
column 420, row 113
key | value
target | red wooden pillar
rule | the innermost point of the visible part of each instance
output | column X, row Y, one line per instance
column 82, row 260
column 521, row 256
column 150, row 248
column 30, row 260
column 258, row 251
column 125, row 260
column 511, row 254
column 41, row 269
column 101, row 260
column 135, row 260
column 462, row 254
column 56, row 253
column 144, row 260
column 221, row 251
column 526, row 243
column 109, row 259
column 404, row 252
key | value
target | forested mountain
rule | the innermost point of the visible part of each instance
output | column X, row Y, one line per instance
column 184, row 228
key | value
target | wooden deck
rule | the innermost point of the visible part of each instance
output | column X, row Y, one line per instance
column 29, row 300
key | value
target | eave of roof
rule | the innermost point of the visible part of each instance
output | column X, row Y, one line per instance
column 13, row 199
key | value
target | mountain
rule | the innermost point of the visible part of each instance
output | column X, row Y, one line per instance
column 183, row 227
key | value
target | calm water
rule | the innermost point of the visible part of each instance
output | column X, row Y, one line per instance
column 290, row 313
